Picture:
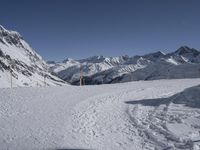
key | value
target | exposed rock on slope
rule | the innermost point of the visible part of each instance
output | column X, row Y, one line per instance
column 20, row 60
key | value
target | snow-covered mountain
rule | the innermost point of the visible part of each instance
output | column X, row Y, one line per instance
column 183, row 63
column 18, row 59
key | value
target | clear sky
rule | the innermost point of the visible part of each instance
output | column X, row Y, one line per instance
column 58, row 29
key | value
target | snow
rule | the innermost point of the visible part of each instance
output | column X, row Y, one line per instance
column 171, row 60
column 159, row 114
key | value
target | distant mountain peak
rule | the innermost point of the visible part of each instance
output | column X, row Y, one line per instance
column 154, row 55
column 5, row 32
column 185, row 49
column 158, row 53
column 10, row 37
column 93, row 59
column 68, row 60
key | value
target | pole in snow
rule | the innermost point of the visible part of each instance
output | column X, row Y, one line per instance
column 10, row 78
column 45, row 80
column 199, row 72
column 11, row 82
column 167, row 73
column 81, row 76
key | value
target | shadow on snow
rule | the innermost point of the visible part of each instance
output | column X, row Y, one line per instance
column 189, row 97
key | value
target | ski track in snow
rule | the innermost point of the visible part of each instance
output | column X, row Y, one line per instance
column 103, row 121
column 132, row 115
column 98, row 119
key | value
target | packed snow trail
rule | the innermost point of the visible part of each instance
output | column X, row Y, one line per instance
column 136, row 115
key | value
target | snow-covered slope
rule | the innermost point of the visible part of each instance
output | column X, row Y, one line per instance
column 20, row 60
column 142, row 115
column 183, row 63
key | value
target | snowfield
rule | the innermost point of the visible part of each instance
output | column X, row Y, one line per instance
column 159, row 114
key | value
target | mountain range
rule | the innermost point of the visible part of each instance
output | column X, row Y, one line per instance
column 21, row 66
column 182, row 63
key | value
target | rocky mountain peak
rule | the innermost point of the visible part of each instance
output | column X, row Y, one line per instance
column 185, row 50
column 10, row 37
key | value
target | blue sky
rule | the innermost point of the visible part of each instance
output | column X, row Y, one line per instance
column 57, row 29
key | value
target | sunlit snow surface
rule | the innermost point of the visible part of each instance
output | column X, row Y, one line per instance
column 162, row 114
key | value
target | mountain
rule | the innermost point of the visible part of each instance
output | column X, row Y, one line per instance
column 20, row 64
column 182, row 63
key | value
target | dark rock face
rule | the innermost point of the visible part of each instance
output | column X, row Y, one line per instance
column 185, row 50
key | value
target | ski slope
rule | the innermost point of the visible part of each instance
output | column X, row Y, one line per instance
column 159, row 114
